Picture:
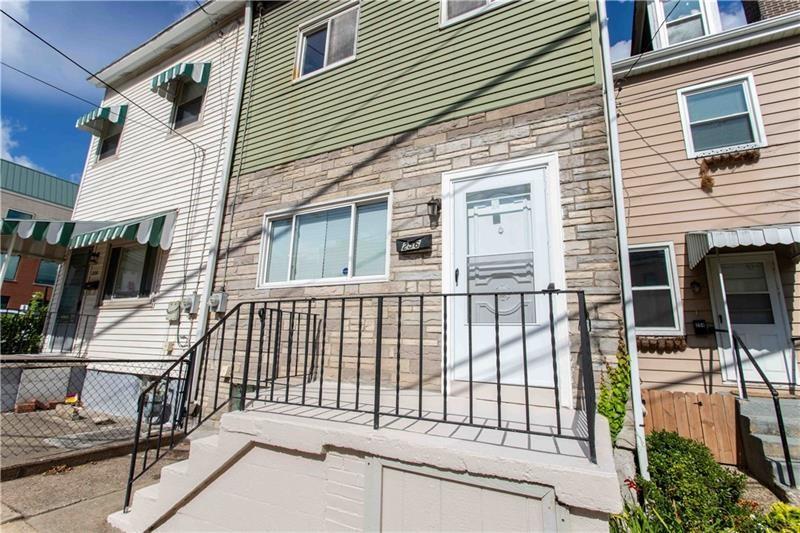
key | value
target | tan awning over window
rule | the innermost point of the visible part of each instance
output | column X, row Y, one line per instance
column 700, row 243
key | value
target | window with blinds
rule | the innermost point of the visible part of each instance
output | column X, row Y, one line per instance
column 337, row 243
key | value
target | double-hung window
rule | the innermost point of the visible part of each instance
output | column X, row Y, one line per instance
column 721, row 117
column 654, row 280
column 683, row 19
column 109, row 140
column 328, row 42
column 455, row 10
column 131, row 271
column 341, row 243
column 188, row 104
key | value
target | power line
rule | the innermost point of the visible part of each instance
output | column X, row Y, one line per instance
column 652, row 38
column 73, row 95
column 92, row 75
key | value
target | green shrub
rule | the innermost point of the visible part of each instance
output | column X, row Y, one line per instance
column 634, row 519
column 783, row 518
column 688, row 489
column 614, row 387
column 22, row 333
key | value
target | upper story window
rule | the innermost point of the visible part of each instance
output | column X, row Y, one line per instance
column 108, row 142
column 106, row 124
column 684, row 19
column 346, row 242
column 188, row 104
column 131, row 271
column 721, row 116
column 18, row 215
column 327, row 42
column 654, row 280
column 455, row 10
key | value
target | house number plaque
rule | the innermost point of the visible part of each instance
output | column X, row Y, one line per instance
column 412, row 245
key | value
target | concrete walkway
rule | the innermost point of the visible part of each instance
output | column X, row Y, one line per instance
column 74, row 500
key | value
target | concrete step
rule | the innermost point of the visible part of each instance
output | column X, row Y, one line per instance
column 773, row 447
column 765, row 407
column 781, row 472
column 768, row 425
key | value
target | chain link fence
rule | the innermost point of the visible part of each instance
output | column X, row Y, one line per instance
column 53, row 406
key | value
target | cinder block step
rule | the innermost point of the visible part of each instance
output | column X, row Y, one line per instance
column 780, row 471
column 764, row 407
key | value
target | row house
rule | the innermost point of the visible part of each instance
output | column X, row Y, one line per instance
column 417, row 281
column 708, row 118
column 29, row 194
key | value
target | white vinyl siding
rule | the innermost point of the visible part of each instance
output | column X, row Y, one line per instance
column 156, row 172
column 339, row 243
column 721, row 117
column 654, row 280
column 327, row 42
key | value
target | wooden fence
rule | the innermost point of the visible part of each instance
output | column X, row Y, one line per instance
column 707, row 418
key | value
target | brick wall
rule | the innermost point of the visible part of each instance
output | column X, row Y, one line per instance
column 775, row 8
column 21, row 288
column 411, row 166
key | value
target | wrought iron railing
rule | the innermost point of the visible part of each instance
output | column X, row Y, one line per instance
column 68, row 333
column 738, row 346
column 502, row 361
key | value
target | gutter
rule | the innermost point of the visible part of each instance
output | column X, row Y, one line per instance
column 711, row 45
column 622, row 240
column 222, row 191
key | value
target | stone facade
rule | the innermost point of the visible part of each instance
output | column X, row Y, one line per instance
column 411, row 166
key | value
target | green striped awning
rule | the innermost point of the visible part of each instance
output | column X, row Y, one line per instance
column 192, row 72
column 93, row 121
column 55, row 232
column 155, row 230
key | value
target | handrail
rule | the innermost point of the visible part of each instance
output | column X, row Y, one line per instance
column 737, row 343
column 292, row 351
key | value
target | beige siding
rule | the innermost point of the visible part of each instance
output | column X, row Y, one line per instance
column 155, row 171
column 38, row 208
column 664, row 199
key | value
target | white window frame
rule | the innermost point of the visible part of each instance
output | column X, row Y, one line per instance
column 444, row 21
column 709, row 14
column 674, row 282
column 753, row 107
column 316, row 24
column 352, row 202
column 100, row 138
column 174, row 116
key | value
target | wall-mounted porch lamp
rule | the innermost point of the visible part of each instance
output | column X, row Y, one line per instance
column 434, row 207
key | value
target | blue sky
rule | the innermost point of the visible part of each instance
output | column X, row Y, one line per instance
column 38, row 122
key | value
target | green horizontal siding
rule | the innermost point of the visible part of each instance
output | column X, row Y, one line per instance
column 29, row 182
column 408, row 72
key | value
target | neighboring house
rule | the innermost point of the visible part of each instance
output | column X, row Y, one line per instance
column 391, row 158
column 710, row 144
column 149, row 189
column 30, row 194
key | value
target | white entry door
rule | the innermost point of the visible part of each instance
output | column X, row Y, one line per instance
column 504, row 240
column 753, row 301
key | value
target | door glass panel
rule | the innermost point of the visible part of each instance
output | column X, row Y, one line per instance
column 747, row 293
column 500, row 253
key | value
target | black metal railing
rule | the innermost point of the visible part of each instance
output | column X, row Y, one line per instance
column 738, row 346
column 68, row 333
column 491, row 361
column 52, row 406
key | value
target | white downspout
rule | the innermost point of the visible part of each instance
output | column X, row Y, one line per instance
column 622, row 239
column 211, row 257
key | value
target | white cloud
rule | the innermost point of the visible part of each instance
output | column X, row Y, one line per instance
column 620, row 50
column 9, row 144
column 732, row 19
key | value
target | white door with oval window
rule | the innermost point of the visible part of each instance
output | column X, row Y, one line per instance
column 752, row 302
column 503, row 228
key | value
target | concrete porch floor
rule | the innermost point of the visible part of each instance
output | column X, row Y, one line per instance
column 401, row 412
